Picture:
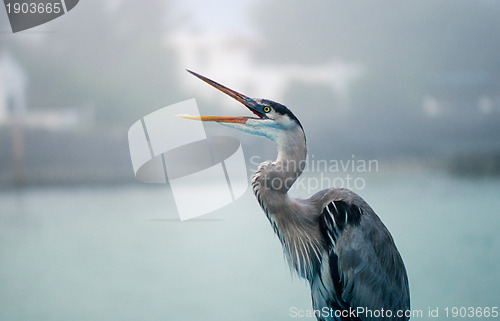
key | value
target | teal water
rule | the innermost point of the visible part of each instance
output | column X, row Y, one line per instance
column 119, row 253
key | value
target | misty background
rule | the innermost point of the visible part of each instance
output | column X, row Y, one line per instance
column 413, row 86
column 382, row 80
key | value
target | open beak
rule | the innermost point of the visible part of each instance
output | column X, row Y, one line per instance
column 247, row 101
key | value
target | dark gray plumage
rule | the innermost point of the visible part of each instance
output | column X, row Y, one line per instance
column 333, row 239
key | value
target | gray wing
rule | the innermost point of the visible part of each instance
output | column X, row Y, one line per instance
column 365, row 267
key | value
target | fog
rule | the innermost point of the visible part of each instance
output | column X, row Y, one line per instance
column 386, row 79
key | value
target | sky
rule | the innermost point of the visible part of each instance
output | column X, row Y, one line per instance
column 227, row 15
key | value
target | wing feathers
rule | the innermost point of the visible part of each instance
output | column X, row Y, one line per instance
column 364, row 264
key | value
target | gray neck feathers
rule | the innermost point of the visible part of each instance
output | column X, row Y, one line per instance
column 291, row 219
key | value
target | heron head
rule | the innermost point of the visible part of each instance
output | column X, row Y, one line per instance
column 273, row 119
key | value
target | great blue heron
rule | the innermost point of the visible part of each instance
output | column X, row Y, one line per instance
column 333, row 239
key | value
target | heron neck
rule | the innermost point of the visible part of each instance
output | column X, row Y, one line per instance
column 291, row 160
column 272, row 180
column 292, row 219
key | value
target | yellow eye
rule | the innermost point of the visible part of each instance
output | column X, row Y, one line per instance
column 267, row 109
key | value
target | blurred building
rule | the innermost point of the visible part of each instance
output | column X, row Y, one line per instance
column 13, row 101
column 13, row 81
